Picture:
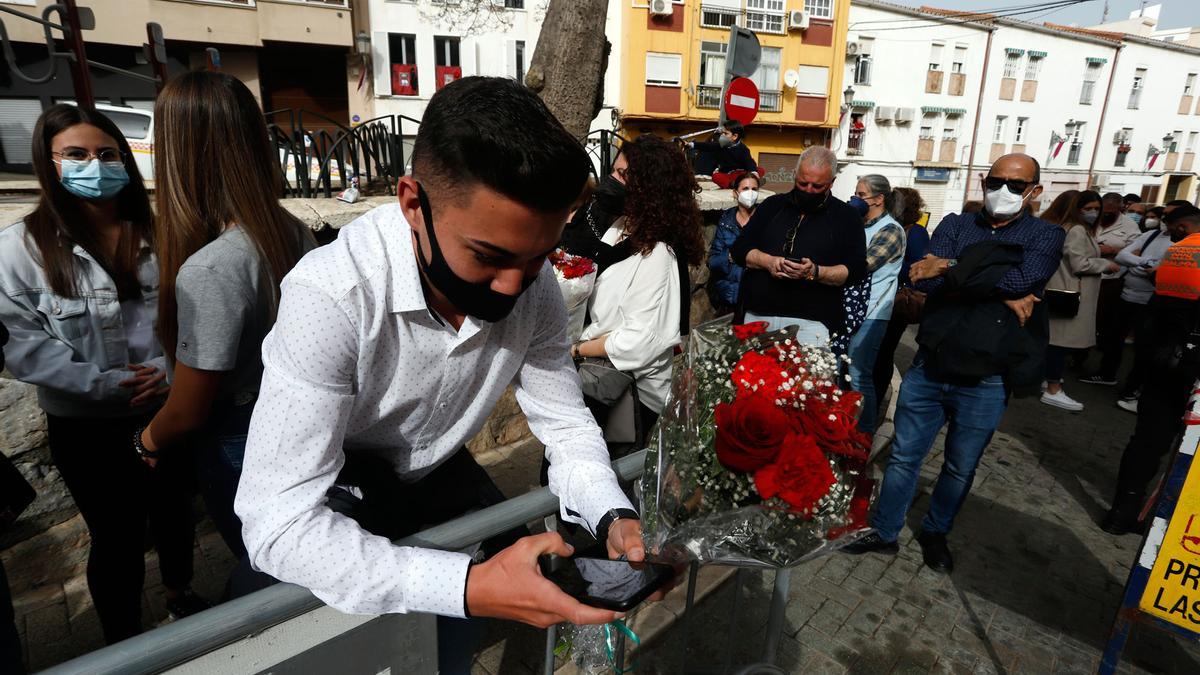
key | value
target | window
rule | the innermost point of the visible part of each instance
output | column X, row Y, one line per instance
column 767, row 79
column 819, row 9
column 1032, row 67
column 514, row 4
column 950, row 128
column 1135, row 92
column 516, row 60
column 935, row 56
column 862, row 69
column 1191, row 146
column 663, row 69
column 1189, row 85
column 719, row 16
column 998, row 131
column 1075, row 134
column 927, row 122
column 712, row 74
column 765, row 15
column 132, row 125
column 1012, row 61
column 1176, row 141
column 1090, row 75
column 1019, row 132
column 402, row 65
column 445, row 51
column 814, row 81
column 960, row 59
column 1122, row 153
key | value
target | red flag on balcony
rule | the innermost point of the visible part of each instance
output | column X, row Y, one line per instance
column 1058, row 148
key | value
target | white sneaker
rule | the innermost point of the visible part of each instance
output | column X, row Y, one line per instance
column 1045, row 386
column 1131, row 405
column 1061, row 400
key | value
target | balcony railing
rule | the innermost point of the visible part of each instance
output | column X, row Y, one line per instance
column 1088, row 91
column 854, row 145
column 770, row 101
column 708, row 96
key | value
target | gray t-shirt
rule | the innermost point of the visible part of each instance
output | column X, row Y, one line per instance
column 227, row 305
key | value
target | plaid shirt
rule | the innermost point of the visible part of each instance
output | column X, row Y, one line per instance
column 886, row 246
column 1043, row 243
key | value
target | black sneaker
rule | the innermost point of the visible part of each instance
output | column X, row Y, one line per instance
column 935, row 551
column 1099, row 379
column 186, row 603
column 872, row 543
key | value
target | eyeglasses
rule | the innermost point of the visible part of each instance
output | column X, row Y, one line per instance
column 1015, row 186
column 105, row 155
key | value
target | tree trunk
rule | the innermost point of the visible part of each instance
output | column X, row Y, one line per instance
column 568, row 66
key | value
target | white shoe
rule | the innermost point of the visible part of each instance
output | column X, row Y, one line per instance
column 1061, row 400
column 1131, row 405
column 1045, row 386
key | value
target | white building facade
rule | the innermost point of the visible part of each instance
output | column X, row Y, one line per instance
column 1098, row 109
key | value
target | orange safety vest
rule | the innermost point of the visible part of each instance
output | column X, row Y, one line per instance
column 1178, row 275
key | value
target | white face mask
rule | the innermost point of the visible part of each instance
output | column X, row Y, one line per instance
column 1090, row 217
column 1152, row 223
column 748, row 198
column 1001, row 203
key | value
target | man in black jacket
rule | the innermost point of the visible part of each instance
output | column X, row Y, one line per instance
column 952, row 377
column 727, row 154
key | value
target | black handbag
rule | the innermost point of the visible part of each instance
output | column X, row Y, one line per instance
column 1062, row 304
column 16, row 494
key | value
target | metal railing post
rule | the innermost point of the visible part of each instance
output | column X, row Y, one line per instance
column 81, row 79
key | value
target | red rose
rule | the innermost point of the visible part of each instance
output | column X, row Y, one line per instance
column 834, row 425
column 756, row 372
column 749, row 432
column 748, row 330
column 800, row 475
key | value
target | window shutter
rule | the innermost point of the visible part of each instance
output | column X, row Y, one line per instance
column 381, row 61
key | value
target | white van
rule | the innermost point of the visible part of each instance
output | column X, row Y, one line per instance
column 18, row 117
column 138, row 127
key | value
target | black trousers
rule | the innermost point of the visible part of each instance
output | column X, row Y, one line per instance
column 1127, row 318
column 122, row 500
column 1159, row 422
column 10, row 642
column 881, row 375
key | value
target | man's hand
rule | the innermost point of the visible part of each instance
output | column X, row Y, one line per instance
column 782, row 268
column 511, row 586
column 1108, row 251
column 929, row 267
column 625, row 539
column 147, row 383
column 1023, row 307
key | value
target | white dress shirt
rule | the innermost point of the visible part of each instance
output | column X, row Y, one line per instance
column 636, row 304
column 357, row 363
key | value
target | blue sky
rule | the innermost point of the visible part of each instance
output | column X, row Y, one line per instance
column 1175, row 13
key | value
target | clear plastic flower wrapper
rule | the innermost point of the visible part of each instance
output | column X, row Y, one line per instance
column 757, row 460
column 576, row 276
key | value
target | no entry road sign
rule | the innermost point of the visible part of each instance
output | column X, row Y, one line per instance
column 741, row 100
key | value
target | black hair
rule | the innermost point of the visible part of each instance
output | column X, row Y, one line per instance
column 736, row 128
column 1178, row 202
column 1110, row 197
column 1132, row 198
column 1155, row 210
column 496, row 132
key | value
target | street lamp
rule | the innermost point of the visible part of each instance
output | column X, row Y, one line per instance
column 362, row 42
column 847, row 97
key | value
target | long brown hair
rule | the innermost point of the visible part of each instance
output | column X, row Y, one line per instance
column 660, row 199
column 1059, row 211
column 214, row 167
column 59, row 221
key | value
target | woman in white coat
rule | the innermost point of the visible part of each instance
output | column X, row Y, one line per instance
column 638, row 306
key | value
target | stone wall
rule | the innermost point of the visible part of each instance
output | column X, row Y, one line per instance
column 49, row 542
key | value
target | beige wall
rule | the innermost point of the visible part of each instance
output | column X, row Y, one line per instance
column 123, row 22
column 242, row 65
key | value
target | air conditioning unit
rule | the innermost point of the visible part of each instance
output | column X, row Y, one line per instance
column 661, row 8
column 851, row 49
column 1120, row 138
column 885, row 114
column 797, row 20
column 1101, row 179
column 905, row 115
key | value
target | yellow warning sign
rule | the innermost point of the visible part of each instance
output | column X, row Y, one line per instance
column 1173, row 590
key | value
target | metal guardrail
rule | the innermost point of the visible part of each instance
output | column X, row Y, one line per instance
column 181, row 641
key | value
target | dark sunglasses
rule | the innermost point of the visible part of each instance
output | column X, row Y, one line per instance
column 1014, row 185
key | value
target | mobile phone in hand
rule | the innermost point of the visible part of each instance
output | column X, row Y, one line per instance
column 618, row 585
column 790, row 259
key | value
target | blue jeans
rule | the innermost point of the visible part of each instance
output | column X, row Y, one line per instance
column 219, row 455
column 864, row 349
column 923, row 407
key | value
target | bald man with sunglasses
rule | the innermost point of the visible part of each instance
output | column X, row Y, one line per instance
column 973, row 406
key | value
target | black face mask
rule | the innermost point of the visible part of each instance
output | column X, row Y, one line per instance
column 610, row 195
column 476, row 299
column 1108, row 218
column 808, row 201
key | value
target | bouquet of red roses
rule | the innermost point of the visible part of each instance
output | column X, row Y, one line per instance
column 576, row 277
column 757, row 459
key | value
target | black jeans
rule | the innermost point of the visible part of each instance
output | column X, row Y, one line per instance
column 881, row 375
column 10, row 642
column 1128, row 317
column 119, row 498
column 1056, row 362
column 1159, row 422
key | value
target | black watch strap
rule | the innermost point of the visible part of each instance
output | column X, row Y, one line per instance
column 609, row 518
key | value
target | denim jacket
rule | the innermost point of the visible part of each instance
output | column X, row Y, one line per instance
column 726, row 275
column 73, row 349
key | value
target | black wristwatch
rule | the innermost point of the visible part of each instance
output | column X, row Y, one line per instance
column 142, row 450
column 609, row 518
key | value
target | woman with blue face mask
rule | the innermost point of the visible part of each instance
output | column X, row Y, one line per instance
column 78, row 293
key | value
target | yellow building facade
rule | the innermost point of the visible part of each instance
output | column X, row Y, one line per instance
column 674, row 66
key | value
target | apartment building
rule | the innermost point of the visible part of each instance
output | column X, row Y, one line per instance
column 1098, row 108
column 671, row 66
column 291, row 53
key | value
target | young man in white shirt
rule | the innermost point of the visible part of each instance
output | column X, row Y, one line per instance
column 392, row 346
